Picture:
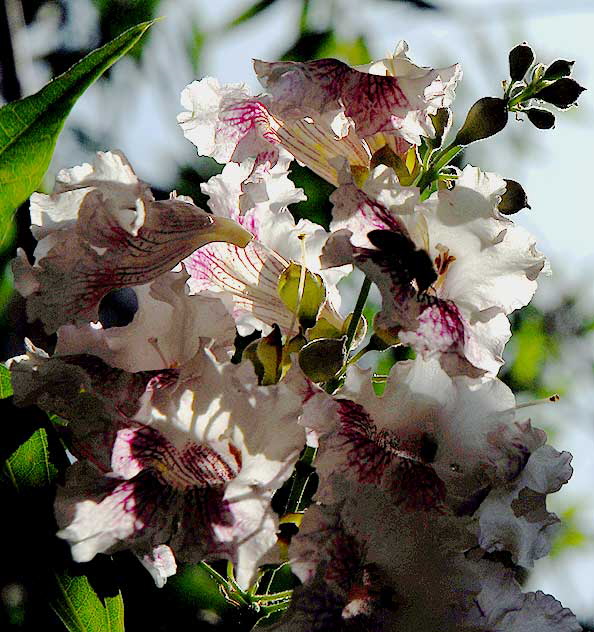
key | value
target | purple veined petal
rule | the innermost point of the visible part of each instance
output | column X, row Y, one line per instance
column 379, row 457
column 106, row 241
column 247, row 277
column 156, row 491
column 193, row 468
column 460, row 266
column 372, row 97
column 226, row 122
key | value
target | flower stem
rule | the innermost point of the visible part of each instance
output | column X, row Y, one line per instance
column 356, row 316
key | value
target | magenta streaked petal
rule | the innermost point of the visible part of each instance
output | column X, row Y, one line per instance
column 380, row 457
column 247, row 277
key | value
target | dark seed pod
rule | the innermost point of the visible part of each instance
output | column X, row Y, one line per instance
column 485, row 118
column 559, row 68
column 514, row 199
column 543, row 119
column 563, row 93
column 520, row 59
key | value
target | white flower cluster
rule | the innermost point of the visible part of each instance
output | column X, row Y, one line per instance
column 432, row 496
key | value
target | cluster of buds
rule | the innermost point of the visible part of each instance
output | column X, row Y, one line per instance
column 192, row 424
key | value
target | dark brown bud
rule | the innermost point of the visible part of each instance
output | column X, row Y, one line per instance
column 543, row 119
column 559, row 68
column 563, row 93
column 514, row 199
column 485, row 118
column 520, row 59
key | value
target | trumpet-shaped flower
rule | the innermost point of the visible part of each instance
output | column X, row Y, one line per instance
column 432, row 441
column 449, row 269
column 366, row 565
column 190, row 462
column 247, row 279
column 101, row 230
column 318, row 111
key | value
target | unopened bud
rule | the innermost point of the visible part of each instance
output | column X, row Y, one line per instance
column 537, row 73
column 563, row 93
column 559, row 68
column 323, row 358
column 543, row 119
column 266, row 354
column 514, row 199
column 520, row 59
column 303, row 292
column 485, row 118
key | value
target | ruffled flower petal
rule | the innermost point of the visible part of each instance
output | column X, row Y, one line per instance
column 449, row 269
column 317, row 112
column 391, row 96
column 186, row 459
column 167, row 331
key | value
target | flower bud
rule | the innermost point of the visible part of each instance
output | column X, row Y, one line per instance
column 520, row 59
column 307, row 304
column 266, row 354
column 514, row 199
column 543, row 119
column 485, row 118
column 323, row 358
column 563, row 93
column 559, row 68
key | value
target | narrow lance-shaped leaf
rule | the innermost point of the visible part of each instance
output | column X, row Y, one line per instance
column 31, row 465
column 82, row 610
column 29, row 127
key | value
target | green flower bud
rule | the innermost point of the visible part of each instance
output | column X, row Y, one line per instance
column 514, row 199
column 559, row 68
column 543, row 119
column 537, row 73
column 563, row 93
column 323, row 358
column 308, row 305
column 520, row 59
column 266, row 354
column 485, row 118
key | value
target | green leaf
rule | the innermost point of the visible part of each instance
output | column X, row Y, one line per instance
column 30, row 465
column 5, row 382
column 250, row 12
column 29, row 127
column 82, row 610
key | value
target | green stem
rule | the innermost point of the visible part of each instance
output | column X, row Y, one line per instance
column 228, row 587
column 438, row 161
column 356, row 316
column 280, row 596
